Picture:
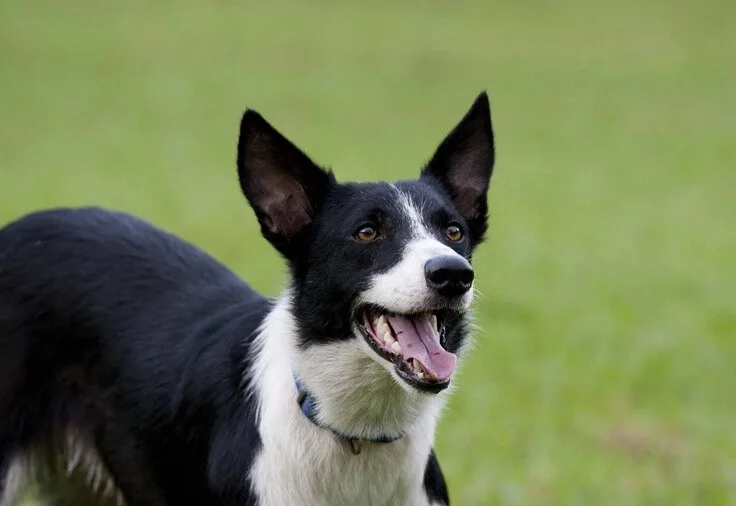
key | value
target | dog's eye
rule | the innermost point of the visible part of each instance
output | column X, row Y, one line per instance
column 366, row 233
column 454, row 233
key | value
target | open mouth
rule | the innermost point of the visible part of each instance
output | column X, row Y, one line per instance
column 414, row 344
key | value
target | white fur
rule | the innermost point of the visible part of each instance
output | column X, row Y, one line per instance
column 413, row 213
column 76, row 461
column 15, row 481
column 403, row 288
column 302, row 464
column 357, row 393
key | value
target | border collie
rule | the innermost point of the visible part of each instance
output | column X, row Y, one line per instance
column 137, row 370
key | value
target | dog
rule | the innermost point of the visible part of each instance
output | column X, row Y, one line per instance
column 136, row 370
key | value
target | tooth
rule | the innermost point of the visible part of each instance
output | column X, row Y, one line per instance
column 382, row 326
column 388, row 337
column 396, row 347
column 378, row 326
column 421, row 375
column 433, row 321
column 381, row 322
column 417, row 367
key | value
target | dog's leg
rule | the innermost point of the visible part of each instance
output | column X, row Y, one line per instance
column 434, row 483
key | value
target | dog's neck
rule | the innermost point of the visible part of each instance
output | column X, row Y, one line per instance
column 354, row 394
column 358, row 397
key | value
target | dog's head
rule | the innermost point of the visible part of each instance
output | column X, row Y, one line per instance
column 384, row 267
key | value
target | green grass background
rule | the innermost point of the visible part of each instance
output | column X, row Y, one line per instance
column 604, row 372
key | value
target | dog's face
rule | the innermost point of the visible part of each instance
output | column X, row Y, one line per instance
column 383, row 264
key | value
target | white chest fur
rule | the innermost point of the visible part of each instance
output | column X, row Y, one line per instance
column 311, row 467
column 302, row 464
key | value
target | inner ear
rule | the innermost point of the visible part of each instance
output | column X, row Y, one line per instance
column 283, row 186
column 468, row 184
column 285, row 209
column 463, row 162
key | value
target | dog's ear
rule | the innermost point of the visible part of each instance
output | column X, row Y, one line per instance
column 283, row 186
column 463, row 164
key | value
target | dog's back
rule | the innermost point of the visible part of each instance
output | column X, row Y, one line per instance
column 113, row 334
column 136, row 369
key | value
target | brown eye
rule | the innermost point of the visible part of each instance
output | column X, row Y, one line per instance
column 366, row 233
column 454, row 233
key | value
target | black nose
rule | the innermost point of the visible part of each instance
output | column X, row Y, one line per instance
column 449, row 276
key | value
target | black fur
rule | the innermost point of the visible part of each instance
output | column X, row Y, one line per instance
column 142, row 344
column 463, row 165
column 434, row 481
column 134, row 338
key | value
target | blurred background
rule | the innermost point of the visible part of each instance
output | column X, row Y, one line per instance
column 604, row 371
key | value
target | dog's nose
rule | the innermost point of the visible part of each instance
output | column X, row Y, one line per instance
column 449, row 276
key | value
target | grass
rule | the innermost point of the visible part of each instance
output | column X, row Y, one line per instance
column 604, row 371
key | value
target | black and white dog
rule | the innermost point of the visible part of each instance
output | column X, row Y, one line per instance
column 136, row 370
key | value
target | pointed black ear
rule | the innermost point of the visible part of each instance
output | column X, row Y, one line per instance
column 463, row 164
column 283, row 186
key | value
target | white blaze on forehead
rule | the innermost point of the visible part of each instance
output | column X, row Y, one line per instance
column 403, row 288
column 413, row 213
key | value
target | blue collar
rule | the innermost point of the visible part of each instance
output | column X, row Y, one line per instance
column 308, row 405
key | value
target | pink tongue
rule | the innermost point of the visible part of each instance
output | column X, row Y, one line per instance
column 420, row 341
